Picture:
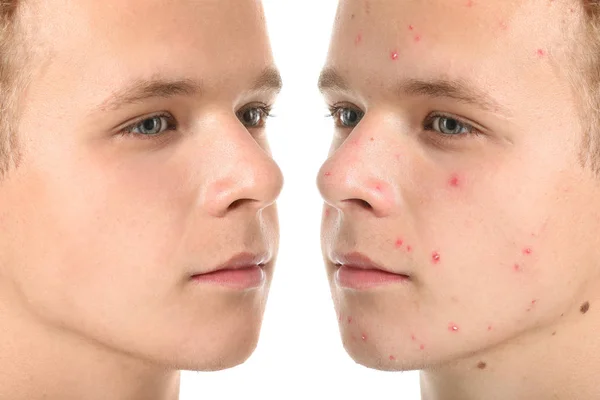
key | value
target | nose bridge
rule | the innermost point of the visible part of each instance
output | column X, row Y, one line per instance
column 245, row 175
column 358, row 173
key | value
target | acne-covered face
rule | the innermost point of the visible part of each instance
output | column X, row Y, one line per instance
column 145, row 166
column 455, row 168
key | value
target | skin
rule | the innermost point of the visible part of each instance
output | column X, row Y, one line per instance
column 102, row 230
column 500, row 219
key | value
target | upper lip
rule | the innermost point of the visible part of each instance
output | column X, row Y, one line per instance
column 240, row 261
column 361, row 261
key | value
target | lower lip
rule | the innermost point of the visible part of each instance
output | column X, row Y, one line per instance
column 357, row 278
column 243, row 278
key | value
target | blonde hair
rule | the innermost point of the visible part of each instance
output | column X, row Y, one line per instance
column 10, row 62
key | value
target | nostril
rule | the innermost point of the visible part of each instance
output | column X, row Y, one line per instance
column 238, row 203
column 361, row 203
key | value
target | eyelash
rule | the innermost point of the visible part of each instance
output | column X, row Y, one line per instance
column 334, row 112
column 265, row 111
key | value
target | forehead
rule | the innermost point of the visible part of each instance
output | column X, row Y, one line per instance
column 114, row 40
column 486, row 41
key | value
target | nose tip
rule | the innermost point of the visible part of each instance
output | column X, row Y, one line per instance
column 252, row 182
column 355, row 186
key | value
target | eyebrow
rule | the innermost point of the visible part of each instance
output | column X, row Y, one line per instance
column 144, row 89
column 460, row 90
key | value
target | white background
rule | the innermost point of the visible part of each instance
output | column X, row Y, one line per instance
column 300, row 354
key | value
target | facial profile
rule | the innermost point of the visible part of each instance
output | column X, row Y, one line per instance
column 459, row 224
column 140, row 221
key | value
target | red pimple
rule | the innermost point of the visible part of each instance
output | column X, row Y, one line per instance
column 372, row 139
column 327, row 173
column 435, row 257
column 392, row 358
column 470, row 3
column 358, row 39
column 394, row 55
column 378, row 188
column 540, row 52
column 327, row 212
column 408, row 248
column 452, row 327
column 527, row 251
column 422, row 347
column 517, row 268
column 454, row 181
column 413, row 337
column 349, row 320
column 410, row 28
column 399, row 243
column 489, row 327
column 533, row 302
column 364, row 337
column 417, row 38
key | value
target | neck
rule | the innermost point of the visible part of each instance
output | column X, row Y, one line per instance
column 38, row 361
column 555, row 362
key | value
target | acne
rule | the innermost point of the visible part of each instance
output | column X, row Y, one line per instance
column 481, row 365
column 408, row 248
column 349, row 320
column 411, row 28
column 372, row 139
column 358, row 39
column 399, row 243
column 517, row 268
column 435, row 257
column 527, row 251
column 503, row 25
column 540, row 52
column 363, row 337
column 584, row 307
column 470, row 3
column 422, row 347
column 413, row 337
column 417, row 38
column 328, row 174
column 489, row 328
column 452, row 327
column 394, row 55
column 327, row 212
column 454, row 181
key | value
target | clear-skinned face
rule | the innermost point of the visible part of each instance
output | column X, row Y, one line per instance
column 145, row 166
column 455, row 168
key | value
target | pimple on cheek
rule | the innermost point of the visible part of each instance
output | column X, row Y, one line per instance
column 327, row 212
column 408, row 248
column 349, row 320
column 358, row 39
column 489, row 328
column 527, row 251
column 517, row 268
column 435, row 257
column 454, row 181
column 394, row 55
column 422, row 347
column 540, row 53
column 363, row 337
column 452, row 327
column 417, row 38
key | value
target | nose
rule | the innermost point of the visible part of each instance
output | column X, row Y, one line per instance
column 358, row 176
column 247, row 176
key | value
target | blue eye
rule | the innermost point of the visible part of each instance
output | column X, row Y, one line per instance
column 254, row 117
column 151, row 126
column 346, row 117
column 448, row 125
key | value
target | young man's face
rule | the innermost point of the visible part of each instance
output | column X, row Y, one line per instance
column 145, row 164
column 462, row 178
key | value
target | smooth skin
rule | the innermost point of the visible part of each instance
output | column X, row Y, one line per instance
column 144, row 162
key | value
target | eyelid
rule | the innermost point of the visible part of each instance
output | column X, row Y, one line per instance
column 473, row 129
column 128, row 127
